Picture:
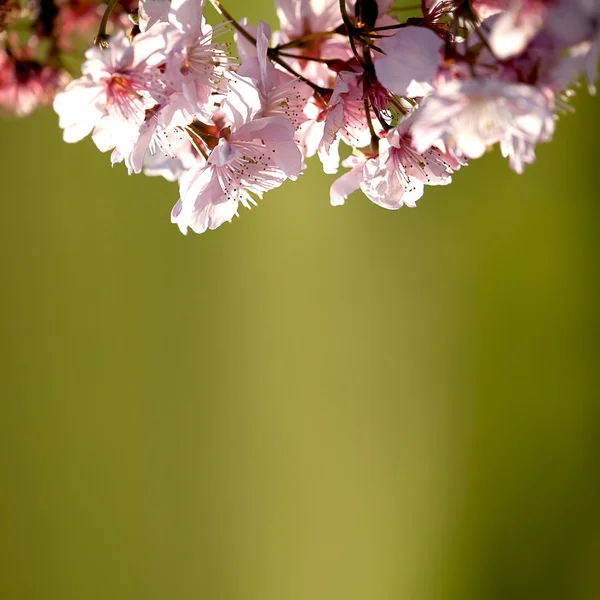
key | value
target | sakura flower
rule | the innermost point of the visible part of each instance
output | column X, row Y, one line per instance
column 194, row 67
column 117, row 87
column 487, row 8
column 519, row 152
column 302, row 23
column 571, row 22
column 250, row 161
column 575, row 25
column 196, row 63
column 512, row 30
column 245, row 48
column 162, row 125
column 587, row 53
column 151, row 12
column 280, row 93
column 298, row 18
column 350, row 181
column 345, row 119
column 253, row 155
column 171, row 165
column 310, row 132
column 469, row 116
column 25, row 84
column 412, row 58
column 398, row 175
column 414, row 101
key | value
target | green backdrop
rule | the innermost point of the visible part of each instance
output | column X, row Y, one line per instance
column 310, row 403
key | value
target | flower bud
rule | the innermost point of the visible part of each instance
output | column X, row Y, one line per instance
column 367, row 12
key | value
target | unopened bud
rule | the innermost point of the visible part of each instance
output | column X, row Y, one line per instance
column 367, row 12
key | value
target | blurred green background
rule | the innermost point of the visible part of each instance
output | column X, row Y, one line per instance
column 310, row 402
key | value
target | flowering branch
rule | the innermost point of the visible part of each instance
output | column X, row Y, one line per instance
column 272, row 53
column 301, row 41
column 351, row 30
column 414, row 98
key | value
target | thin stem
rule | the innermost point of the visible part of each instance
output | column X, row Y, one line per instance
column 350, row 29
column 102, row 38
column 271, row 52
column 374, row 136
column 388, row 27
column 299, row 56
column 309, row 37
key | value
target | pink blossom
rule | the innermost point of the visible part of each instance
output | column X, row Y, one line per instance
column 26, row 84
column 414, row 101
column 301, row 18
column 162, row 125
column 487, row 8
column 171, row 165
column 412, row 58
column 345, row 119
column 310, row 131
column 196, row 64
column 571, row 22
column 253, row 155
column 117, row 87
column 245, row 48
column 280, row 93
column 151, row 12
column 350, row 181
column 398, row 175
column 512, row 30
column 519, row 152
column 469, row 116
column 575, row 25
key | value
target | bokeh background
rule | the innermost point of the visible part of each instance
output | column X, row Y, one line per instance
column 310, row 403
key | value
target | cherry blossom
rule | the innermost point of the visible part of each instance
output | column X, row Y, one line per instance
column 25, row 84
column 306, row 20
column 345, row 120
column 470, row 116
column 118, row 85
column 513, row 29
column 280, row 93
column 253, row 156
column 399, row 174
column 350, row 181
column 195, row 64
column 400, row 102
column 412, row 58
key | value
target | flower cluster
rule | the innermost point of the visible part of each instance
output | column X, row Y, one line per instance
column 413, row 98
column 37, row 41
